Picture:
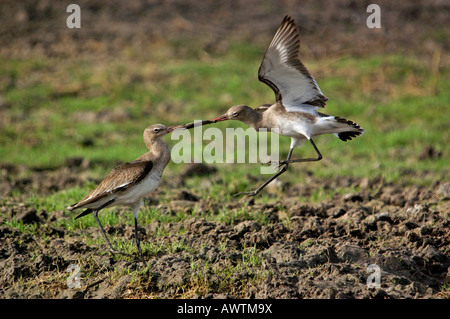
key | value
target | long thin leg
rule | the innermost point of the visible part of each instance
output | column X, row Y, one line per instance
column 318, row 158
column 281, row 171
column 111, row 249
column 135, row 209
column 114, row 251
column 136, row 237
column 104, row 233
column 256, row 191
column 289, row 155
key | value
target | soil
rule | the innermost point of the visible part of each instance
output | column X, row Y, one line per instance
column 321, row 250
column 328, row 28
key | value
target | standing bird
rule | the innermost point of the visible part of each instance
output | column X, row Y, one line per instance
column 298, row 97
column 128, row 183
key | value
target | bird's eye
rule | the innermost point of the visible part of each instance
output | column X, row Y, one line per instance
column 235, row 113
column 156, row 130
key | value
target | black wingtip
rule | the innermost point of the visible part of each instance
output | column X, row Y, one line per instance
column 86, row 212
column 287, row 17
column 288, row 20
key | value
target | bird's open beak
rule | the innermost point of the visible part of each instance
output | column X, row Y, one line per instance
column 223, row 117
column 170, row 129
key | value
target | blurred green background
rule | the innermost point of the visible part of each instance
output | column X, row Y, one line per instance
column 90, row 92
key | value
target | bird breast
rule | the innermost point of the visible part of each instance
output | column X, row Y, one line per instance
column 138, row 191
column 294, row 124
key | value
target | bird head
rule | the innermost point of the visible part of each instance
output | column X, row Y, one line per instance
column 237, row 112
column 157, row 130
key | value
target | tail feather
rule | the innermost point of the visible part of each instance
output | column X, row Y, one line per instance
column 354, row 129
column 347, row 136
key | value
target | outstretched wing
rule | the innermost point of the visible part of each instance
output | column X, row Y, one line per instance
column 120, row 178
column 282, row 70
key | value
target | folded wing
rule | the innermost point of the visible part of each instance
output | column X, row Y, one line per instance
column 120, row 178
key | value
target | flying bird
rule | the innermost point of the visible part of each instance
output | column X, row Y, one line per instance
column 128, row 183
column 297, row 99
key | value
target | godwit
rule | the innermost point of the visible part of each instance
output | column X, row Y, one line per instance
column 298, row 97
column 128, row 183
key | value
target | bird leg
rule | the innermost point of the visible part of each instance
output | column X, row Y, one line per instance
column 278, row 163
column 136, row 237
column 135, row 209
column 284, row 166
column 256, row 191
column 103, row 232
column 318, row 158
column 111, row 249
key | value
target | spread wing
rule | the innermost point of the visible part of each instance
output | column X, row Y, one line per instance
column 282, row 70
column 120, row 178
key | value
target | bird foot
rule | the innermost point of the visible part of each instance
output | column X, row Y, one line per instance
column 114, row 251
column 252, row 193
column 117, row 252
column 277, row 164
column 269, row 163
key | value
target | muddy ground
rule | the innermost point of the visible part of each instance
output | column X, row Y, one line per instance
column 318, row 250
column 328, row 27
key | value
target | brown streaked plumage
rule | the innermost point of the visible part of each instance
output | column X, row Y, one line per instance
column 128, row 183
column 297, row 98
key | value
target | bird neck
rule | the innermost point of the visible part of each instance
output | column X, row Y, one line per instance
column 254, row 119
column 158, row 151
